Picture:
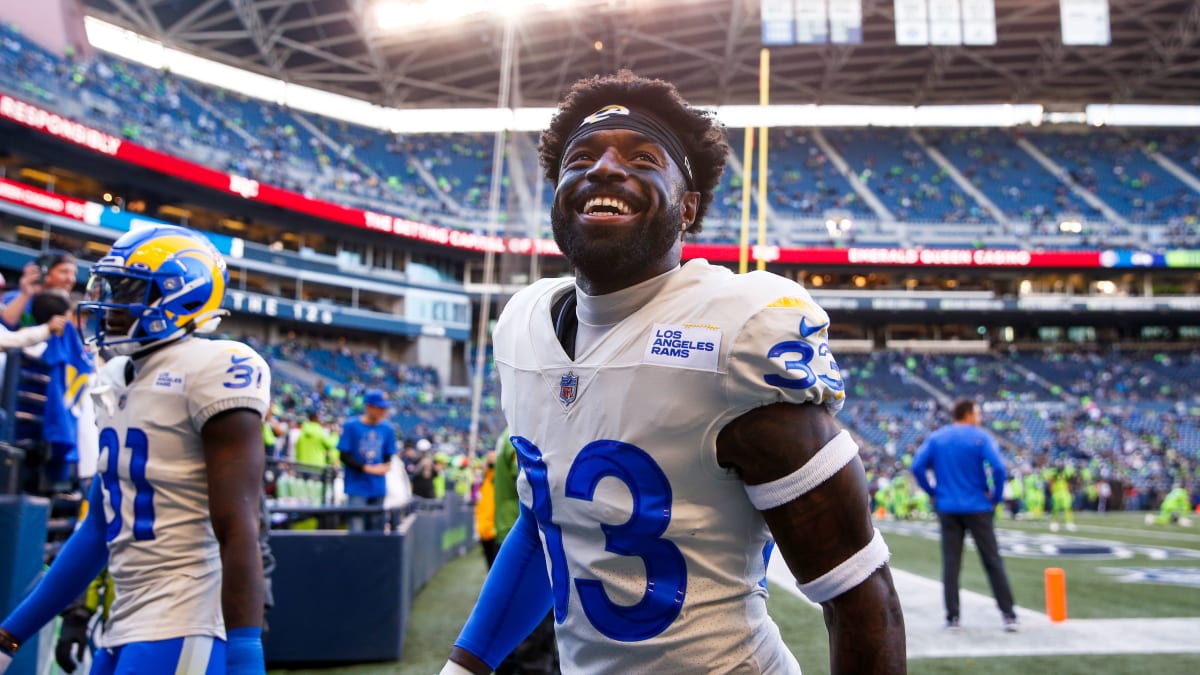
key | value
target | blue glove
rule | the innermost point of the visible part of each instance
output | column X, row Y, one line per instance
column 244, row 652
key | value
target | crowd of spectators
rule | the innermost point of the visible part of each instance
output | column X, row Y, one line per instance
column 432, row 428
column 1123, row 417
column 1116, row 169
column 905, row 177
column 992, row 161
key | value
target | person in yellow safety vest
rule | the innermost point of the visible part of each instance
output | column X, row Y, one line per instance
column 462, row 475
column 901, row 498
column 1035, row 496
column 315, row 447
column 882, row 498
column 485, row 511
column 922, row 505
column 1061, row 497
column 1175, row 507
column 440, row 463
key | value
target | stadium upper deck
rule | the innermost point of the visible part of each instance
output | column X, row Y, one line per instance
column 709, row 48
column 1013, row 188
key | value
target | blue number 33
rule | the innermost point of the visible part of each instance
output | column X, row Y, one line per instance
column 640, row 536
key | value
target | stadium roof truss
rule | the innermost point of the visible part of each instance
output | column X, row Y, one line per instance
column 708, row 48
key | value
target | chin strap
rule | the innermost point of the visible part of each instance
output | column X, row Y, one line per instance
column 208, row 322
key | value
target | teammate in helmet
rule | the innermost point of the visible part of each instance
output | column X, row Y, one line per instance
column 174, row 513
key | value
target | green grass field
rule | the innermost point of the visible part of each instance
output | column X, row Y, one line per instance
column 442, row 606
column 1092, row 593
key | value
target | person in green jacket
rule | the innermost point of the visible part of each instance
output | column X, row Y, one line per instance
column 441, row 462
column 538, row 653
column 314, row 445
column 1035, row 496
column 1062, row 496
column 1175, row 507
column 901, row 498
column 508, row 507
column 922, row 505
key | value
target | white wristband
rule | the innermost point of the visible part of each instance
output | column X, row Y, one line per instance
column 852, row 572
column 452, row 668
column 5, row 659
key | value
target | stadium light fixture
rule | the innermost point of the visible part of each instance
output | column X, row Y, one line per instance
column 1000, row 115
column 1143, row 115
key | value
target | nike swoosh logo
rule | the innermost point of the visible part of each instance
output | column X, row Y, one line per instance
column 806, row 330
column 236, row 360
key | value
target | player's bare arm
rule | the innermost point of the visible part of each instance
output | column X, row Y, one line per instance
column 821, row 528
column 233, row 452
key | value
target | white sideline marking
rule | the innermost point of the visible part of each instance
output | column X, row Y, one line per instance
column 1174, row 535
column 983, row 635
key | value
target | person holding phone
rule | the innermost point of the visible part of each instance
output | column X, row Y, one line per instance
column 53, row 270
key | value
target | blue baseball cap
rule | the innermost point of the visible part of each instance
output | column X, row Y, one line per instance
column 376, row 399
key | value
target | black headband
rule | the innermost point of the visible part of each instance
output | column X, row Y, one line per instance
column 621, row 117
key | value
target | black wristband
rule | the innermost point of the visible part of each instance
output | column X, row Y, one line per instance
column 76, row 612
column 8, row 643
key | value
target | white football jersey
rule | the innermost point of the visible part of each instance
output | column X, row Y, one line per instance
column 163, row 555
column 655, row 554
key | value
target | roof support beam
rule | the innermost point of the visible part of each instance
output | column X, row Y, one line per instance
column 1158, row 64
column 942, row 58
column 367, row 28
column 211, row 21
column 263, row 42
column 1049, row 61
column 151, row 18
column 185, row 22
column 733, row 30
column 711, row 58
column 362, row 68
column 133, row 16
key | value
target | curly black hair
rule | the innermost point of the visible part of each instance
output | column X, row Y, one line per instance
column 702, row 136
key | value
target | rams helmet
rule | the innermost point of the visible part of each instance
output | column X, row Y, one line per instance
column 156, row 285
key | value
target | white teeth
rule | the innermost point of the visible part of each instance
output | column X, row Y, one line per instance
column 596, row 203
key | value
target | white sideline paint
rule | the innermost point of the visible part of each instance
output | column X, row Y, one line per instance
column 983, row 634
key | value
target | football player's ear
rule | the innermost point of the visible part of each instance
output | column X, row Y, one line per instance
column 689, row 206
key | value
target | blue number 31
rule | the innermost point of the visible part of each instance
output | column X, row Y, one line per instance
column 143, row 495
column 641, row 536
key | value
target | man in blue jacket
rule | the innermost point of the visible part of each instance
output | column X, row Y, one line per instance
column 366, row 445
column 956, row 454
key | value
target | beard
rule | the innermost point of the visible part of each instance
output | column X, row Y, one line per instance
column 621, row 254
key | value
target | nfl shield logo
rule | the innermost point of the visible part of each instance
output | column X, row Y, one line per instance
column 568, row 386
